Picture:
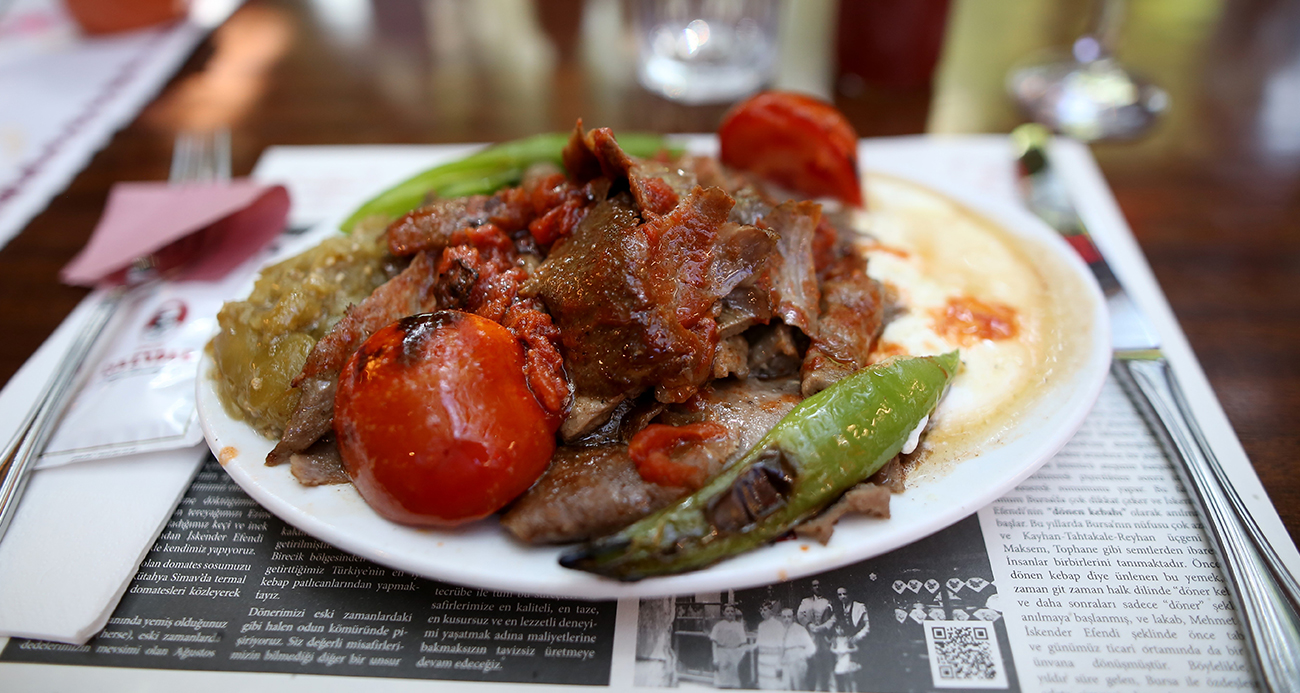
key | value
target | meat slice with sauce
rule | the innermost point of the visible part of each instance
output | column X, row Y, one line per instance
column 851, row 318
column 806, row 244
column 656, row 187
column 665, row 309
column 585, row 492
column 747, row 408
column 450, row 222
column 592, row 491
column 792, row 272
column 634, row 301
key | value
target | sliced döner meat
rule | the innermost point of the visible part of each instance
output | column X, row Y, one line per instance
column 319, row 465
column 656, row 187
column 773, row 352
column 746, row 306
column 412, row 291
column 642, row 179
column 634, row 302
column 803, row 239
column 865, row 499
column 587, row 414
column 751, row 205
column 892, row 476
column 739, row 252
column 643, row 411
column 451, row 222
column 793, row 279
column 653, row 195
column 753, row 202
column 586, row 492
column 313, row 419
column 852, row 316
column 745, row 302
column 731, row 358
column 710, row 172
column 747, row 408
column 835, row 237
column 587, row 284
column 578, row 159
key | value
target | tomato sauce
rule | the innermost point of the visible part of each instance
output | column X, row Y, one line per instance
column 967, row 320
column 654, row 449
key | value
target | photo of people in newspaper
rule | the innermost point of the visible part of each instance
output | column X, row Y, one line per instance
column 925, row 617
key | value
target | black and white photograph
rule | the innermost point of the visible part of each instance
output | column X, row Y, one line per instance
column 924, row 617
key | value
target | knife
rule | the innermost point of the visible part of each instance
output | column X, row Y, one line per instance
column 1266, row 595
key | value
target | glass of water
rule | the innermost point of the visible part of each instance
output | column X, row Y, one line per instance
column 705, row 51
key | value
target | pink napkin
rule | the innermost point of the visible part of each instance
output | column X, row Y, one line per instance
column 208, row 228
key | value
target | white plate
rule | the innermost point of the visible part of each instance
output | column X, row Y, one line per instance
column 482, row 555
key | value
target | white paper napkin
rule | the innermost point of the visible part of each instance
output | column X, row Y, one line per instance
column 78, row 539
column 81, row 530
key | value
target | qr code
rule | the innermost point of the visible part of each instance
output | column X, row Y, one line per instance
column 964, row 655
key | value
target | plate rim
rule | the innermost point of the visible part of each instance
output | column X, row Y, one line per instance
column 737, row 573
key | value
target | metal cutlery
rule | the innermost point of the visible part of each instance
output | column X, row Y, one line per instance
column 195, row 158
column 1266, row 595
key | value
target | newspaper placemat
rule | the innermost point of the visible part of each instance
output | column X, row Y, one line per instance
column 1094, row 574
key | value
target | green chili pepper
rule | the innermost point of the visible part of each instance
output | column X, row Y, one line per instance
column 487, row 171
column 831, row 441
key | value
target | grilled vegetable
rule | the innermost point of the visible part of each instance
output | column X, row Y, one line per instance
column 435, row 421
column 795, row 141
column 831, row 441
column 485, row 172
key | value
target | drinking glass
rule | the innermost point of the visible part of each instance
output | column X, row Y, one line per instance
column 705, row 51
column 1089, row 95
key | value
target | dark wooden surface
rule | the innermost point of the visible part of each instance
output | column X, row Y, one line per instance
column 1218, row 216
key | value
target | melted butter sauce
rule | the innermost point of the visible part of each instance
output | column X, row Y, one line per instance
column 965, row 283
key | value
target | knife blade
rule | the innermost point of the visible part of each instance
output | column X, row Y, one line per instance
column 1266, row 595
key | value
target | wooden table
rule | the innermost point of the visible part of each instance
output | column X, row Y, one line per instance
column 1214, row 197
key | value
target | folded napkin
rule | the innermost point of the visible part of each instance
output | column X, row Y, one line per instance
column 81, row 530
column 209, row 228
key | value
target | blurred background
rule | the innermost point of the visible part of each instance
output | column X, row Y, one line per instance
column 351, row 71
column 451, row 70
column 478, row 70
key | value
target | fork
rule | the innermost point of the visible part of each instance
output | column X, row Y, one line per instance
column 196, row 157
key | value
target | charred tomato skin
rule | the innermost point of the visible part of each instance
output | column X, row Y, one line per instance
column 795, row 141
column 435, row 421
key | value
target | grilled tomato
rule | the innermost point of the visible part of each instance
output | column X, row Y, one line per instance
column 795, row 141
column 435, row 420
